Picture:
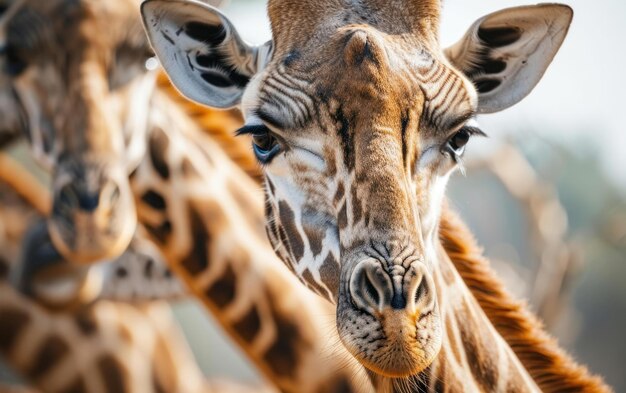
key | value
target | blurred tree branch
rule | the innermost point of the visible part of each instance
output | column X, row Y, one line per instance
column 556, row 259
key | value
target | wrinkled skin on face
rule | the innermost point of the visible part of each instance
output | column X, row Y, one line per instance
column 358, row 118
column 84, row 95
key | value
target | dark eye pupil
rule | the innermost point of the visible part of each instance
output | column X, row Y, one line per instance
column 263, row 141
column 459, row 140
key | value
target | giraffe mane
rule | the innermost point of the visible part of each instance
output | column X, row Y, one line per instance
column 550, row 366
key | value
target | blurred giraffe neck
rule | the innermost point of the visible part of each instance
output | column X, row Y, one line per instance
column 553, row 369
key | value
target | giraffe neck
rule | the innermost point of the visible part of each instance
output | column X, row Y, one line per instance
column 473, row 353
column 549, row 365
column 206, row 216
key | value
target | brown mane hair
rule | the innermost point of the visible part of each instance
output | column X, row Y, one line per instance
column 549, row 365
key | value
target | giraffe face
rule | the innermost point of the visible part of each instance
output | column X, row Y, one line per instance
column 358, row 119
column 78, row 71
column 355, row 177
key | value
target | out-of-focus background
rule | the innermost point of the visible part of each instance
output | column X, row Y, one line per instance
column 545, row 194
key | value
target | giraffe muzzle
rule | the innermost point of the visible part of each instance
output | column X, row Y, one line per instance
column 400, row 327
column 374, row 290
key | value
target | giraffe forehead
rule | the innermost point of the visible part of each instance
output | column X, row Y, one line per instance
column 367, row 78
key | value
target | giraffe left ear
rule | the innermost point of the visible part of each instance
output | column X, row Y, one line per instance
column 201, row 50
column 506, row 53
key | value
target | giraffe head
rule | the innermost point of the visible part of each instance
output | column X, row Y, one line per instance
column 77, row 70
column 358, row 118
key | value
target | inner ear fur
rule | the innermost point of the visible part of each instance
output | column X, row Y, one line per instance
column 507, row 52
column 200, row 50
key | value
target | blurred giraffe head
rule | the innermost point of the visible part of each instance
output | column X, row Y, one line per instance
column 76, row 73
column 358, row 118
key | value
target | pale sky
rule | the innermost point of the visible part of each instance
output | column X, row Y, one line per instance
column 580, row 97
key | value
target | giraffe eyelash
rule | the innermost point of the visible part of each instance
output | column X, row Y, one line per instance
column 474, row 131
column 252, row 129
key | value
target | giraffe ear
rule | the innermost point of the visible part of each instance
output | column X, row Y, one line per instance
column 201, row 51
column 506, row 53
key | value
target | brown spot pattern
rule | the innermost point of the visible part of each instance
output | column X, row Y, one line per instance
column 189, row 169
column 356, row 206
column 481, row 357
column 340, row 385
column 13, row 323
column 222, row 292
column 270, row 185
column 282, row 235
column 77, row 386
column 86, row 321
column 248, row 327
column 342, row 218
column 339, row 193
column 331, row 163
column 156, row 383
column 330, row 273
column 154, row 200
column 113, row 374
column 315, row 238
column 198, row 258
column 158, row 146
column 287, row 219
column 307, row 276
column 49, row 354
column 282, row 356
column 160, row 233
column 4, row 268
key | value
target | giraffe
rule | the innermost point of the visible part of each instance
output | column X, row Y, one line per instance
column 99, row 347
column 281, row 326
column 358, row 117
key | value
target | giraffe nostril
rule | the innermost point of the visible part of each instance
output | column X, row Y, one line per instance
column 424, row 297
column 370, row 290
column 421, row 291
column 370, row 286
column 88, row 201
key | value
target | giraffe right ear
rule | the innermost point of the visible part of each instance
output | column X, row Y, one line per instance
column 201, row 51
column 506, row 53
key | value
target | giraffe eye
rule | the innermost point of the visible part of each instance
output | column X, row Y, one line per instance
column 264, row 144
column 457, row 143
